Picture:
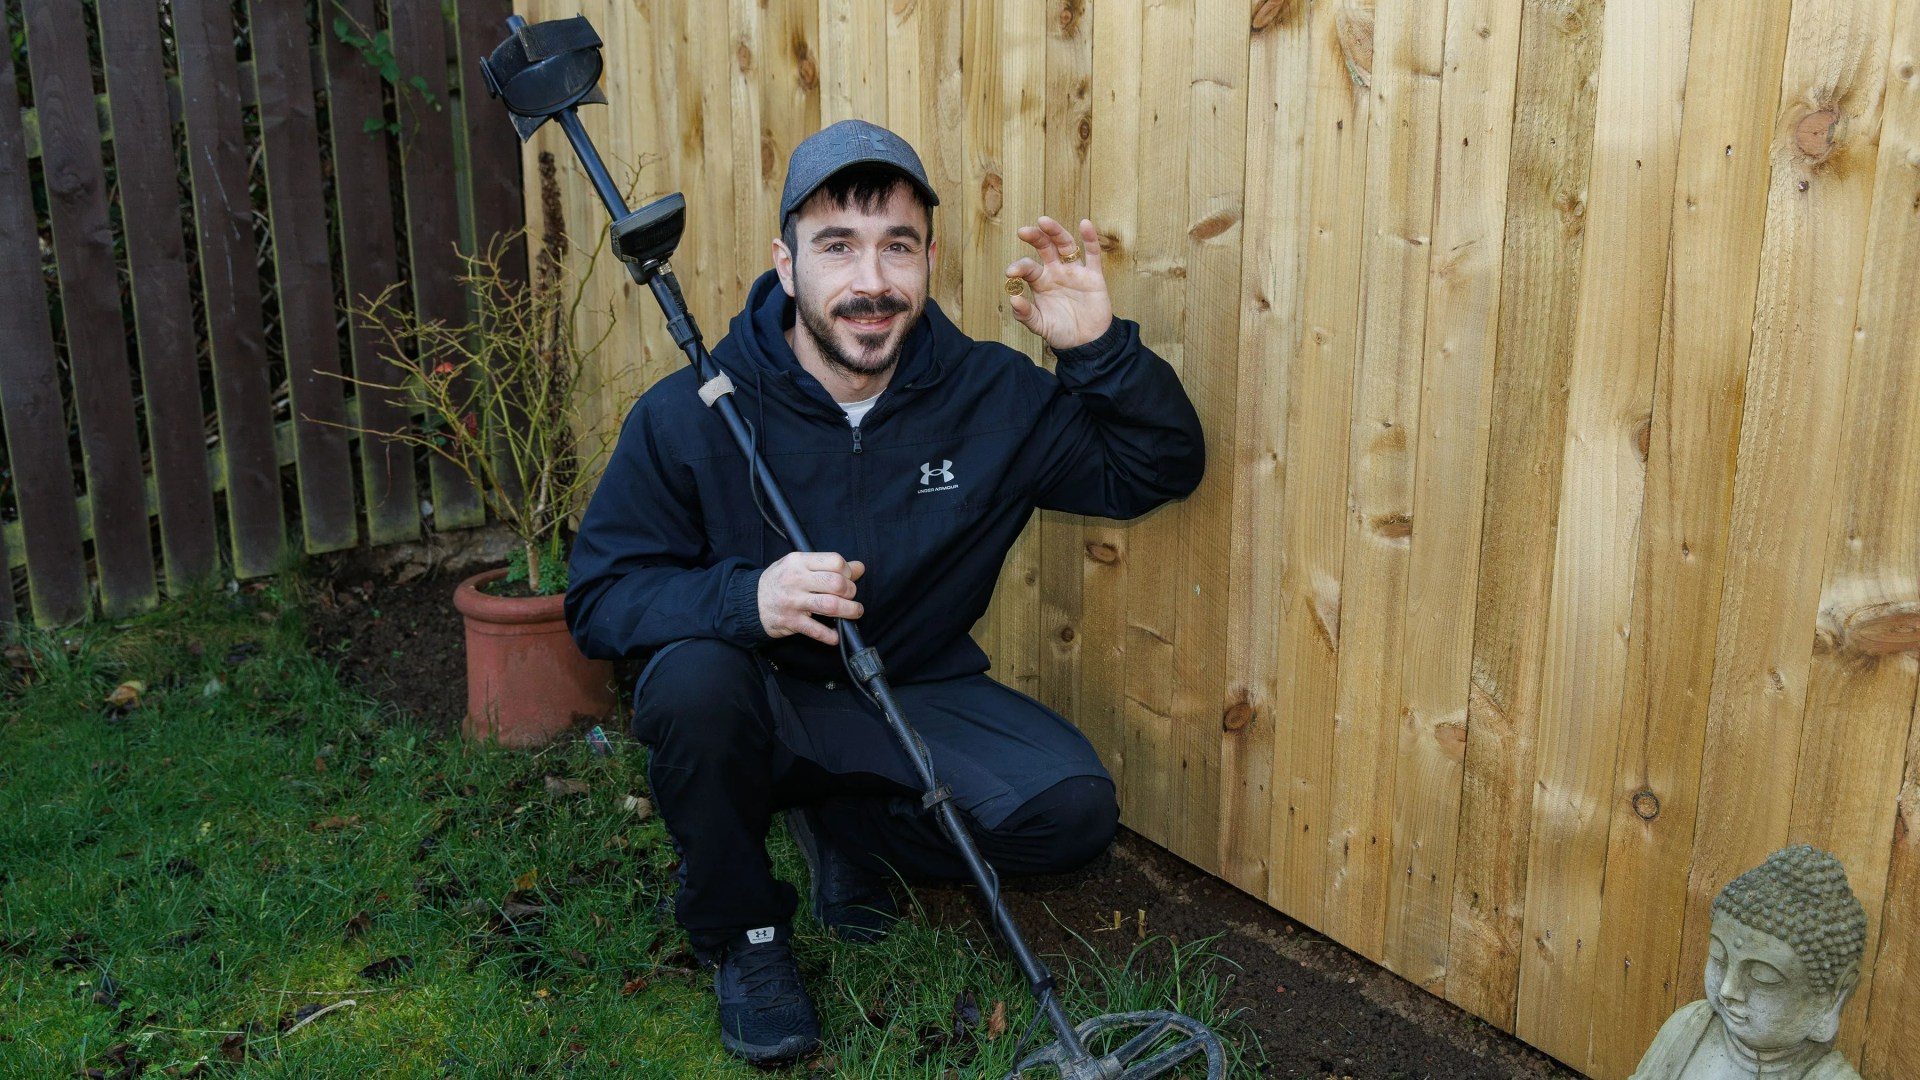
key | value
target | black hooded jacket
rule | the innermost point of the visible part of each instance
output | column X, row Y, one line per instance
column 929, row 492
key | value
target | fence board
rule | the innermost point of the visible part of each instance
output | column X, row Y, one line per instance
column 1544, row 240
column 146, row 168
column 1067, row 195
column 223, row 219
column 1449, row 483
column 433, row 222
column 1861, row 684
column 90, row 302
column 362, row 188
column 1637, row 140
column 1402, row 142
column 1796, row 383
column 1862, row 687
column 30, row 388
column 1891, row 1049
column 1270, row 299
column 303, row 272
column 495, row 204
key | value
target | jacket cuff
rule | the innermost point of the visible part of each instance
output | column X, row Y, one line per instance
column 1104, row 345
column 741, row 623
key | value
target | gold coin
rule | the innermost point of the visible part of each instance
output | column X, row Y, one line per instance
column 1014, row 285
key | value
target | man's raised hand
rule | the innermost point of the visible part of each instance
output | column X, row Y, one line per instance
column 804, row 584
column 1070, row 305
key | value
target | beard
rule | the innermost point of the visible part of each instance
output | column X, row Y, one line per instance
column 866, row 355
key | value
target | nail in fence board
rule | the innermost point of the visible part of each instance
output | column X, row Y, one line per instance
column 303, row 272
column 144, row 159
column 230, row 282
column 90, row 303
column 362, row 186
column 433, row 217
column 30, row 388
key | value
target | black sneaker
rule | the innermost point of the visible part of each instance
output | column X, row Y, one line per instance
column 848, row 899
column 766, row 1016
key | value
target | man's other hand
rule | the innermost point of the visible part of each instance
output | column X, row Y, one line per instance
column 804, row 584
column 1070, row 305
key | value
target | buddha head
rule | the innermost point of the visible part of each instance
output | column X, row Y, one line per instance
column 1787, row 940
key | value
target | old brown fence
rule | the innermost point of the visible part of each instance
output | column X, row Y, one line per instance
column 190, row 191
column 1561, row 368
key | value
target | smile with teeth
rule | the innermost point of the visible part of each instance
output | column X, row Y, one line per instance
column 869, row 324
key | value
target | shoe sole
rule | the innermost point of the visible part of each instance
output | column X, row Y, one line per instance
column 787, row 1049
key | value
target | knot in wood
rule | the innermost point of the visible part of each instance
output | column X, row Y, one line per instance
column 1066, row 634
column 992, row 195
column 1268, row 14
column 1646, row 804
column 1104, row 553
column 1813, row 135
column 1884, row 629
column 1237, row 717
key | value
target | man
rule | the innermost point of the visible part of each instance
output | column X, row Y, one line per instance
column 912, row 456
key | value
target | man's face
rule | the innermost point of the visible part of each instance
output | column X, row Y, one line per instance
column 858, row 278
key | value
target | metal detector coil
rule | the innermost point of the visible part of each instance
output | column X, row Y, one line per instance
column 542, row 73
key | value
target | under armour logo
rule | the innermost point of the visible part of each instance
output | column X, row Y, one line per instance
column 944, row 472
column 760, row 936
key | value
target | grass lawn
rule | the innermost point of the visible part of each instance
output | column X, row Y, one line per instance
column 258, row 871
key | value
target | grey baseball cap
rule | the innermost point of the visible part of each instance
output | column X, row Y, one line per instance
column 835, row 147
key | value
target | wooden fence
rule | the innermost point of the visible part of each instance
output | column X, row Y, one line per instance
column 187, row 201
column 1561, row 370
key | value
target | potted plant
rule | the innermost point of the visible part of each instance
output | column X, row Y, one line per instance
column 496, row 396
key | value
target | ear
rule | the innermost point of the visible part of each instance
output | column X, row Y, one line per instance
column 783, row 264
column 933, row 254
column 1827, row 1027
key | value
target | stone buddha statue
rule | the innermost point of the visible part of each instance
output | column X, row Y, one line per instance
column 1787, row 939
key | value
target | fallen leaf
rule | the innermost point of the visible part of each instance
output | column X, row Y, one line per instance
column 633, row 986
column 387, row 968
column 579, row 958
column 639, row 806
column 335, row 823
column 127, row 694
column 559, row 788
column 966, row 1014
column 300, row 1014
column 527, row 880
column 358, row 925
column 234, row 1048
column 997, row 1021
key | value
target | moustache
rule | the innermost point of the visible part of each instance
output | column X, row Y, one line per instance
column 872, row 308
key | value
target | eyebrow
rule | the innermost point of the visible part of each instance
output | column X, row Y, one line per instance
column 842, row 232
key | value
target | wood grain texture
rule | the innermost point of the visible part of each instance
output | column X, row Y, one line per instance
column 223, row 219
column 1796, row 382
column 1541, row 266
column 143, row 158
column 1891, row 1050
column 1866, row 647
column 1456, row 382
column 30, row 389
column 1408, row 46
column 303, row 273
column 1271, row 299
column 96, row 348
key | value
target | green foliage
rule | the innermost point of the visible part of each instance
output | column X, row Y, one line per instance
column 553, row 569
column 376, row 48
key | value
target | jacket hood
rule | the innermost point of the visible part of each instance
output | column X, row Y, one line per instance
column 756, row 346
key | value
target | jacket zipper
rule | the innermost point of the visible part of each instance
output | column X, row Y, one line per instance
column 856, row 439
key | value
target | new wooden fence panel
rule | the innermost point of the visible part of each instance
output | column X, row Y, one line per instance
column 1271, row 300
column 1891, row 1049
column 1820, row 136
column 368, row 265
column 1436, row 636
column 303, row 271
column 1408, row 44
column 1630, row 210
column 1719, row 205
column 1860, row 688
column 230, row 283
column 1313, row 518
column 1155, row 298
column 1541, row 263
column 1861, row 695
column 1067, row 195
column 30, row 388
column 146, row 169
column 90, row 302
column 433, row 218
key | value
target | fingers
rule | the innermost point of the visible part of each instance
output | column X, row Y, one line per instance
column 1090, row 243
column 805, row 584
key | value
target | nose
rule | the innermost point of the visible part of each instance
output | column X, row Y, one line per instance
column 1731, row 986
column 867, row 279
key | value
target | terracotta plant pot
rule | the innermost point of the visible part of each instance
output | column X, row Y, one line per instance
column 526, row 680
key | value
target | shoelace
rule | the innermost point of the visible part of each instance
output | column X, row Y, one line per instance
column 766, row 967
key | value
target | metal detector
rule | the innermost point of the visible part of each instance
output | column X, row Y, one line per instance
column 542, row 73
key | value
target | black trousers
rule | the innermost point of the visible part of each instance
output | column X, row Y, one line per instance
column 735, row 741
